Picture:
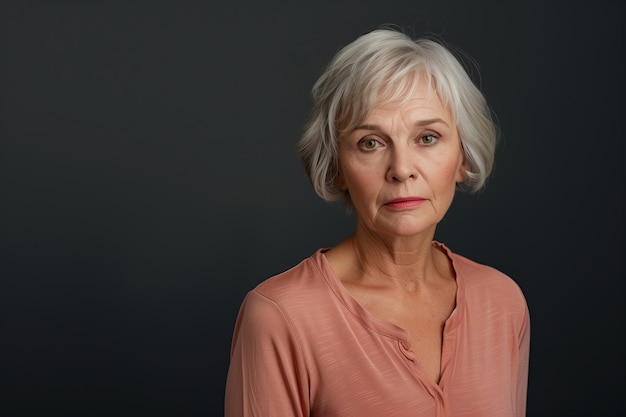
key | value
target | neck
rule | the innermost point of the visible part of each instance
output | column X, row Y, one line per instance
column 408, row 261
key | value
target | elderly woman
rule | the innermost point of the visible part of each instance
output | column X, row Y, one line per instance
column 389, row 322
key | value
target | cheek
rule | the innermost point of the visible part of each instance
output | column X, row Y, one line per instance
column 453, row 173
column 359, row 180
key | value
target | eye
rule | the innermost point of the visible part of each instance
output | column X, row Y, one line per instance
column 369, row 144
column 429, row 139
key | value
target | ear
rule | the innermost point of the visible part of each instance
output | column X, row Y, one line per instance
column 461, row 174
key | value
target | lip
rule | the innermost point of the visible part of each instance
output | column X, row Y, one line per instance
column 405, row 202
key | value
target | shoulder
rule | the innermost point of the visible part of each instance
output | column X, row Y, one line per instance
column 476, row 274
column 297, row 294
column 295, row 283
column 289, row 303
column 486, row 284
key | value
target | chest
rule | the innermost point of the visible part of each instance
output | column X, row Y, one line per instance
column 373, row 374
column 423, row 317
column 425, row 324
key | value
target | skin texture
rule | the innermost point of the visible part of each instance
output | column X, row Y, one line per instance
column 409, row 149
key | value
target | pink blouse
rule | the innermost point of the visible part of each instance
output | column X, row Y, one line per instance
column 302, row 346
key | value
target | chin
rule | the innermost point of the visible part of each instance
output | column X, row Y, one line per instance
column 408, row 230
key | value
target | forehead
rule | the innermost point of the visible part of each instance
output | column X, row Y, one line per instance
column 417, row 96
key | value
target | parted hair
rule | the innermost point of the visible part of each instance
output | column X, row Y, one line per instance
column 382, row 66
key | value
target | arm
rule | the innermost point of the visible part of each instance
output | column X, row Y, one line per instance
column 523, row 362
column 267, row 376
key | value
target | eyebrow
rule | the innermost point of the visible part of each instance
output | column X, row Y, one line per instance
column 424, row 122
column 432, row 121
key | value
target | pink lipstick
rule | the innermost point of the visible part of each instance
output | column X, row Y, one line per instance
column 405, row 203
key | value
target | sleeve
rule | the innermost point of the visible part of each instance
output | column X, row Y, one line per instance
column 523, row 362
column 267, row 376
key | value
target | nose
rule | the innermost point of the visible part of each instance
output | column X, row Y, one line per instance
column 401, row 166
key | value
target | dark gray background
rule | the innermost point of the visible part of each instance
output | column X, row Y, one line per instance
column 148, row 180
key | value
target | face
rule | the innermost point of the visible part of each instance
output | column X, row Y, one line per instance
column 401, row 165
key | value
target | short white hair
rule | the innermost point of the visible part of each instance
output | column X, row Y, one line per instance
column 383, row 65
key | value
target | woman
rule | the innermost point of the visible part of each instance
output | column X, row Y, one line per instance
column 388, row 322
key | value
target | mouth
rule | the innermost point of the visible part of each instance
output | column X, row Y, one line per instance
column 406, row 202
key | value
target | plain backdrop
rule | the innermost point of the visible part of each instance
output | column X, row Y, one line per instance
column 148, row 180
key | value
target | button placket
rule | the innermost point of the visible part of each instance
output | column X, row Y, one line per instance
column 406, row 351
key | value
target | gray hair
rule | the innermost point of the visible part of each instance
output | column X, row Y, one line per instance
column 381, row 66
